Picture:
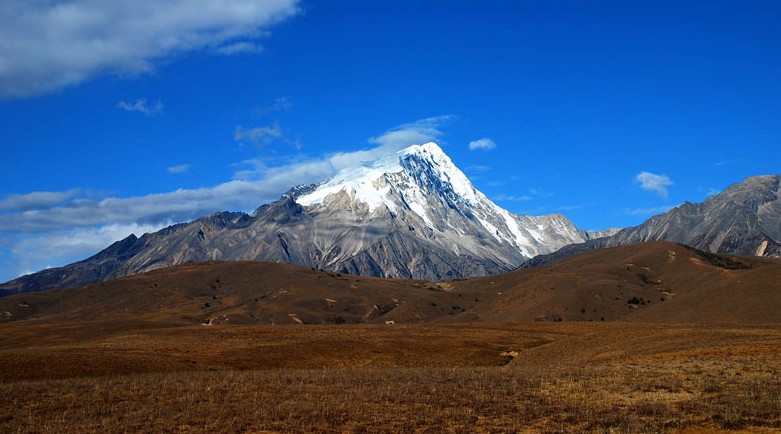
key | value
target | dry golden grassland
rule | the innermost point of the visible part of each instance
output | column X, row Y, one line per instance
column 569, row 377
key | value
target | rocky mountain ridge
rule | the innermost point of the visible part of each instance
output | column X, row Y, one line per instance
column 744, row 219
column 414, row 214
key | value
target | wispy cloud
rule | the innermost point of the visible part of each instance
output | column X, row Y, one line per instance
column 511, row 198
column 36, row 200
column 728, row 162
column 258, row 135
column 179, row 168
column 649, row 211
column 47, row 45
column 242, row 47
column 540, row 193
column 281, row 104
column 655, row 183
column 532, row 195
column 484, row 144
column 413, row 133
column 478, row 168
column 42, row 211
column 35, row 252
column 178, row 205
column 142, row 107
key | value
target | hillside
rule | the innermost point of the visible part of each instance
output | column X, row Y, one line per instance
column 656, row 282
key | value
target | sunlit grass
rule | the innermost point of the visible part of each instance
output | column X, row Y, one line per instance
column 655, row 397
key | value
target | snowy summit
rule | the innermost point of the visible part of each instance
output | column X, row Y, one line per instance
column 423, row 180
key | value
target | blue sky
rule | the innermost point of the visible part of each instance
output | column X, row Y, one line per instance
column 126, row 116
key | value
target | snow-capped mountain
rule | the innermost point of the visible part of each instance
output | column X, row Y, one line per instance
column 412, row 214
column 421, row 186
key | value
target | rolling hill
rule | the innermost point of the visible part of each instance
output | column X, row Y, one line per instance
column 652, row 282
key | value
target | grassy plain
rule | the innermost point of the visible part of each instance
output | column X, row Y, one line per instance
column 106, row 376
column 648, row 338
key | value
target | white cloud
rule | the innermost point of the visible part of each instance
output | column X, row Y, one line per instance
column 258, row 135
column 484, row 144
column 653, row 182
column 179, row 168
column 34, row 236
column 36, row 200
column 179, row 205
column 47, row 45
column 413, row 133
column 140, row 106
column 36, row 252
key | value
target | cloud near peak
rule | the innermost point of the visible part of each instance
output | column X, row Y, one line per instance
column 47, row 45
column 655, row 183
column 413, row 133
column 86, row 225
column 43, row 211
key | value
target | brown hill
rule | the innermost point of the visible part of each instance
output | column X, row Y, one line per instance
column 241, row 292
column 651, row 282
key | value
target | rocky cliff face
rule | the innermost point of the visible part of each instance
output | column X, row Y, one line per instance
column 412, row 214
column 744, row 219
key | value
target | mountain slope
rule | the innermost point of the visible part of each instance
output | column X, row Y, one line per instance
column 744, row 219
column 653, row 281
column 412, row 214
column 650, row 282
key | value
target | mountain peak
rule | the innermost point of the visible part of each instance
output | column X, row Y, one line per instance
column 439, row 164
column 427, row 165
column 421, row 185
column 428, row 150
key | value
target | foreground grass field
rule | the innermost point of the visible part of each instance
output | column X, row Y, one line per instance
column 568, row 377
